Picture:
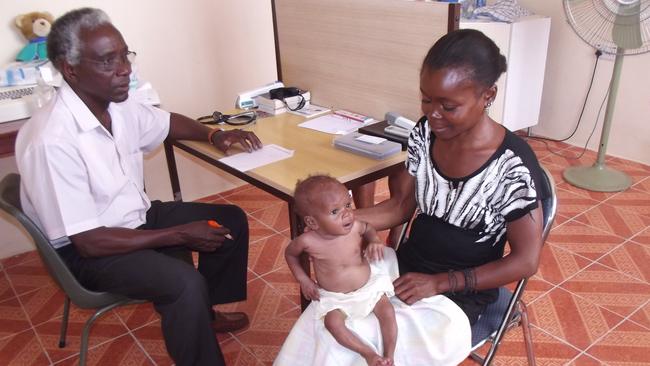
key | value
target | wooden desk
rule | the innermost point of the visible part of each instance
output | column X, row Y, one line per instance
column 313, row 153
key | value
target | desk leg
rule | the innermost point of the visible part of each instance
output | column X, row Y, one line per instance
column 297, row 227
column 173, row 172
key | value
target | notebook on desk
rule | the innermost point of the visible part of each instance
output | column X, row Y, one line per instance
column 377, row 129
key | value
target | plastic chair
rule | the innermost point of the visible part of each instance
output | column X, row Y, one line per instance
column 509, row 310
column 74, row 291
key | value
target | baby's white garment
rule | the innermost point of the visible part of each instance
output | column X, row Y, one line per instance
column 433, row 331
column 359, row 303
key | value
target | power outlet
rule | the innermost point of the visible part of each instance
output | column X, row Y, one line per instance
column 607, row 57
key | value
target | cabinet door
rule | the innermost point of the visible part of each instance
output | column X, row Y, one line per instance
column 524, row 44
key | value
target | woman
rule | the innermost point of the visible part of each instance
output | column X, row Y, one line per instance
column 476, row 184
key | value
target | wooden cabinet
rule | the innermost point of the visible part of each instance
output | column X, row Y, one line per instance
column 525, row 44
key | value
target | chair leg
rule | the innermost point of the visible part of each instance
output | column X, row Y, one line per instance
column 64, row 322
column 528, row 337
column 89, row 323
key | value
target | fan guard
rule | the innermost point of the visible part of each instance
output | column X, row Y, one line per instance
column 594, row 21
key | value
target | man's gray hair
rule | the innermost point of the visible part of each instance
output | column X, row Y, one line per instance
column 64, row 41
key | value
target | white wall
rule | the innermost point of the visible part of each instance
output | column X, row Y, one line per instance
column 568, row 69
column 198, row 54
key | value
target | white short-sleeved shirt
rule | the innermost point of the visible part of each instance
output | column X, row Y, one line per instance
column 75, row 175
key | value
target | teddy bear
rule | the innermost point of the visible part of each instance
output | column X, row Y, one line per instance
column 35, row 26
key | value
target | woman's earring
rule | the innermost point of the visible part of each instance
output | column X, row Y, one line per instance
column 488, row 104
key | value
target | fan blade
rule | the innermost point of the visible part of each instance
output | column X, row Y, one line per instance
column 627, row 30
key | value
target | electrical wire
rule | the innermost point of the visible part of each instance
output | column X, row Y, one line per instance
column 598, row 53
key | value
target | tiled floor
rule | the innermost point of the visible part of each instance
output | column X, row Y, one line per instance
column 589, row 303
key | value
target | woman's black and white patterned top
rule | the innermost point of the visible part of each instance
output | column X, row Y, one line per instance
column 462, row 223
column 502, row 190
column 463, row 220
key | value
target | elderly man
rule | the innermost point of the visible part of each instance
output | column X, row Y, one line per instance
column 81, row 163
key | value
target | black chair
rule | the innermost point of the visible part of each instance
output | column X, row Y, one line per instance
column 509, row 310
column 74, row 291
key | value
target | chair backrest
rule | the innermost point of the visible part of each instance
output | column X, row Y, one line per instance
column 80, row 296
column 549, row 204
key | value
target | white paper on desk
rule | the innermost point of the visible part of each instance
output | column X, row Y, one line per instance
column 333, row 123
column 266, row 155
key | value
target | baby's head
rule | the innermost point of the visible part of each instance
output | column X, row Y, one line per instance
column 325, row 205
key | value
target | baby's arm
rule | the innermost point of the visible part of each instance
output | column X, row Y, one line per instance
column 375, row 248
column 308, row 287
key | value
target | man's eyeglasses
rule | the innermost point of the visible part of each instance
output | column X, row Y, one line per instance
column 113, row 62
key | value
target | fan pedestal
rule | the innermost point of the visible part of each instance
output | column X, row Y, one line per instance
column 598, row 177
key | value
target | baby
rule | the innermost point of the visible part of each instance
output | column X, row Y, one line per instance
column 347, row 285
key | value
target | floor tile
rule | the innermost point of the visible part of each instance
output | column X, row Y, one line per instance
column 263, row 303
column 625, row 164
column 642, row 316
column 609, row 288
column 258, row 230
column 571, row 204
column 571, row 318
column 267, row 337
column 584, row 240
column 104, row 329
column 6, row 291
column 275, row 216
column 214, row 198
column 238, row 355
column 12, row 318
column 643, row 185
column 632, row 200
column 242, row 188
column 44, row 304
column 19, row 258
column 635, row 171
column 267, row 255
column 150, row 338
column 120, row 351
column 381, row 186
column 613, row 219
column 535, row 288
column 571, row 156
column 585, row 360
column 28, row 276
column 22, row 349
column 548, row 351
column 251, row 200
column 557, row 264
column 643, row 237
column 137, row 315
column 630, row 258
column 627, row 344
column 283, row 281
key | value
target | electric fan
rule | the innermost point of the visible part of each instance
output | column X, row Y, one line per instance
column 620, row 28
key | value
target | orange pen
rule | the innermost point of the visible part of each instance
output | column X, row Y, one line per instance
column 215, row 225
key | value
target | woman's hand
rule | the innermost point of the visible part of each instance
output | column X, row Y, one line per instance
column 413, row 287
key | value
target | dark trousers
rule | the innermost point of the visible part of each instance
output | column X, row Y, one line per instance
column 181, row 295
